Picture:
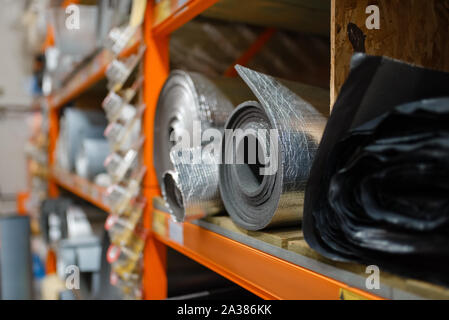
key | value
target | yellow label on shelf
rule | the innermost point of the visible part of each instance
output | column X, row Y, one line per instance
column 349, row 295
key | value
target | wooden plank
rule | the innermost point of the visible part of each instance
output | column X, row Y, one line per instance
column 414, row 31
column 306, row 16
column 279, row 238
column 292, row 239
column 416, row 287
column 426, row 289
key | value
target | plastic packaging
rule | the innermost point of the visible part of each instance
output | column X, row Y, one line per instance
column 119, row 71
column 119, row 196
column 377, row 192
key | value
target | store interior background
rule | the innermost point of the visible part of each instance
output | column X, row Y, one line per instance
column 314, row 52
column 15, row 101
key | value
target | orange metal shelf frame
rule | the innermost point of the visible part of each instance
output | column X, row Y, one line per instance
column 263, row 274
column 156, row 70
column 240, row 263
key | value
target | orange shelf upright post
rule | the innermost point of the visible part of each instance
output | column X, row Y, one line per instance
column 21, row 200
column 156, row 70
column 154, row 256
column 53, row 132
column 50, row 262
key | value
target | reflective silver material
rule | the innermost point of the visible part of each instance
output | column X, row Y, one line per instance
column 188, row 98
column 191, row 190
column 255, row 200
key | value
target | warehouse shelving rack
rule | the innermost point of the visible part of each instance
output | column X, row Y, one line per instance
column 238, row 262
column 263, row 274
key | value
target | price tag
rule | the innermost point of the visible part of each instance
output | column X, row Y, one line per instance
column 176, row 231
column 349, row 295
column 159, row 223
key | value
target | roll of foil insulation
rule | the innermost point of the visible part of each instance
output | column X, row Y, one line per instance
column 377, row 192
column 287, row 127
column 187, row 99
column 191, row 189
column 91, row 157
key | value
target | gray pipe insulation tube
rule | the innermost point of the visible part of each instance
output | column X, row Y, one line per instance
column 15, row 258
column 187, row 101
column 191, row 190
column 259, row 194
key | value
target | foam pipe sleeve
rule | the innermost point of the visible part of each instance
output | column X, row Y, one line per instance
column 255, row 199
column 91, row 156
column 377, row 192
column 188, row 97
column 15, row 257
column 191, row 190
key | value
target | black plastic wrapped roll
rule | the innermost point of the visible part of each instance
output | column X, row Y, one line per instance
column 378, row 188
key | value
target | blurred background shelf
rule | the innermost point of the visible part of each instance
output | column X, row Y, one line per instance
column 90, row 73
column 81, row 187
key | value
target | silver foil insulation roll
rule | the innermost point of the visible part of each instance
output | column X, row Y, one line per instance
column 191, row 189
column 188, row 99
column 285, row 127
column 190, row 104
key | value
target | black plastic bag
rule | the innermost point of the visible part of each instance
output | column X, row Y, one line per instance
column 378, row 191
